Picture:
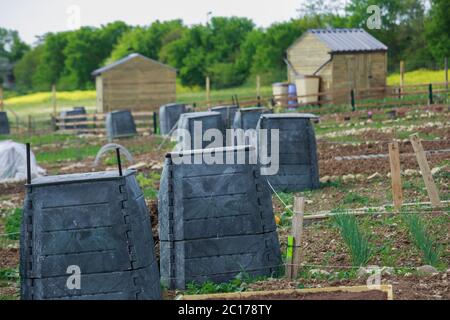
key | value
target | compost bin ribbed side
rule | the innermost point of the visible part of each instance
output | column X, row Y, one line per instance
column 298, row 162
column 207, row 120
column 4, row 124
column 97, row 223
column 248, row 118
column 228, row 113
column 169, row 116
column 120, row 124
column 216, row 221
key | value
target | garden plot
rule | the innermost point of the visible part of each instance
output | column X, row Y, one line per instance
column 326, row 257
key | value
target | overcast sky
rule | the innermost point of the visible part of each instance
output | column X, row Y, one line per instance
column 36, row 17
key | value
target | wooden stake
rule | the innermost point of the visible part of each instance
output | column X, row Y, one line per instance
column 208, row 91
column 433, row 193
column 54, row 99
column 1, row 99
column 397, row 192
column 297, row 232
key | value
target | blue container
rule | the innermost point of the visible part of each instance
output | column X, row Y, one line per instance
column 292, row 93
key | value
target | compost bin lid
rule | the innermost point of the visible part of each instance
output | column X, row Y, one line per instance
column 224, row 107
column 252, row 109
column 200, row 114
column 211, row 150
column 290, row 116
column 80, row 177
column 170, row 105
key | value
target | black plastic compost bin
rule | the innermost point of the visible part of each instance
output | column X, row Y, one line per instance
column 228, row 113
column 169, row 116
column 207, row 120
column 77, row 111
column 298, row 162
column 248, row 118
column 216, row 221
column 96, row 222
column 4, row 123
column 120, row 124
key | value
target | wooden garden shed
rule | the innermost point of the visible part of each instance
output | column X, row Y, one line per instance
column 135, row 82
column 343, row 58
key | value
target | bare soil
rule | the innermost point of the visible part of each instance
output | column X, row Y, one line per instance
column 9, row 258
column 338, row 295
column 409, row 287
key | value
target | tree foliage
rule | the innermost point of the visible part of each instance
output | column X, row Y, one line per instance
column 228, row 50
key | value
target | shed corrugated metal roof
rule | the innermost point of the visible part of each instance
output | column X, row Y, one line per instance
column 126, row 59
column 346, row 40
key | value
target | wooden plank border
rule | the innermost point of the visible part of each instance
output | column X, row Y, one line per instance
column 261, row 294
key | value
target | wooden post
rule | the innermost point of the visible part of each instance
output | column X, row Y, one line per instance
column 297, row 233
column 208, row 91
column 54, row 99
column 446, row 72
column 433, row 193
column 258, row 86
column 30, row 124
column 1, row 99
column 54, row 124
column 397, row 192
column 402, row 75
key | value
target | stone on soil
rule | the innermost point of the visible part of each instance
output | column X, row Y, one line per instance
column 427, row 269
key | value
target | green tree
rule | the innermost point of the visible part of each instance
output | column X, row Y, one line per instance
column 52, row 65
column 438, row 29
column 11, row 46
column 25, row 70
column 148, row 41
column 402, row 28
column 86, row 50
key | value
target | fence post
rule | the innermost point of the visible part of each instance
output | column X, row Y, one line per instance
column 53, row 120
column 259, row 101
column 30, row 124
column 446, row 72
column 430, row 94
column 402, row 77
column 54, row 99
column 155, row 123
column 208, row 91
column 352, row 99
column 1, row 98
column 258, row 85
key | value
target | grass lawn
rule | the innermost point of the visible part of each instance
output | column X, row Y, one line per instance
column 39, row 105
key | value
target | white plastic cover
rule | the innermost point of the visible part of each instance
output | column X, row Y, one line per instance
column 13, row 162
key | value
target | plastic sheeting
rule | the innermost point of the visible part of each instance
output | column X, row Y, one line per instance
column 13, row 162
